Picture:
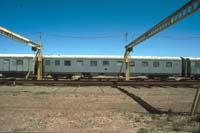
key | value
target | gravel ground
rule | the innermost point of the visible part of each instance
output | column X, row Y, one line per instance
column 96, row 109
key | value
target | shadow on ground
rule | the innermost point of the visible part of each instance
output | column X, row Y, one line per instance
column 148, row 107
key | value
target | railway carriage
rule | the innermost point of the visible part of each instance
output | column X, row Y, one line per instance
column 194, row 67
column 156, row 66
column 15, row 65
column 68, row 65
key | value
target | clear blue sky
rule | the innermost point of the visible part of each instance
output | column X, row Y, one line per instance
column 74, row 27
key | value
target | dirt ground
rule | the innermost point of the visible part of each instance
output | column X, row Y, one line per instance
column 96, row 109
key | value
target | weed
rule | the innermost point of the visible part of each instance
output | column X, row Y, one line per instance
column 169, row 111
column 155, row 117
column 130, row 117
column 196, row 118
column 177, row 126
column 41, row 93
column 137, row 119
column 169, row 118
column 142, row 130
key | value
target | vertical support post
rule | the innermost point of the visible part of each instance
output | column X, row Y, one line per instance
column 39, row 60
column 127, row 67
column 196, row 102
column 39, row 65
column 127, row 71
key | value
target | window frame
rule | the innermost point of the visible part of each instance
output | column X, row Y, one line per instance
column 167, row 64
column 57, row 62
column 19, row 62
column 67, row 63
column 145, row 63
column 197, row 64
column 132, row 64
column 119, row 63
column 79, row 62
column 93, row 63
column 47, row 63
column 106, row 63
column 6, row 60
column 156, row 64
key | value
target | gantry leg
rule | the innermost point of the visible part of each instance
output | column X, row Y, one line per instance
column 39, row 66
column 196, row 102
column 127, row 68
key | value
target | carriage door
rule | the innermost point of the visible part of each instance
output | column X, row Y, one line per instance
column 19, row 65
column 6, row 65
column 188, row 67
column 183, row 67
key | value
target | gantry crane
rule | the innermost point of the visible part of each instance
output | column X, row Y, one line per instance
column 35, row 47
column 183, row 12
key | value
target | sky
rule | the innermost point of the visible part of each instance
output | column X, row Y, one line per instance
column 98, row 27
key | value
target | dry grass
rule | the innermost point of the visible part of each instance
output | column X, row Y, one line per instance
column 95, row 109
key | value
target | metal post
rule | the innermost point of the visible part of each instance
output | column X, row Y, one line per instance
column 196, row 102
column 39, row 60
column 127, row 60
column 127, row 68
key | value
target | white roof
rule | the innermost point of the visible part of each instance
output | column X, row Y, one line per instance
column 98, row 56
column 109, row 57
column 83, row 56
column 193, row 58
column 17, row 55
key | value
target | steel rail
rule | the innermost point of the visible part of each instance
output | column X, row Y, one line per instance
column 99, row 83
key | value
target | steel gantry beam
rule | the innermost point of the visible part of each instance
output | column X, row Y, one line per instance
column 9, row 34
column 35, row 47
column 186, row 10
column 177, row 16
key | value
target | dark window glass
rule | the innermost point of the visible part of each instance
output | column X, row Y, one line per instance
column 67, row 63
column 105, row 63
column 119, row 63
column 132, row 64
column 168, row 64
column 47, row 62
column 6, row 60
column 19, row 62
column 197, row 64
column 93, row 63
column 80, row 63
column 156, row 64
column 57, row 62
column 145, row 64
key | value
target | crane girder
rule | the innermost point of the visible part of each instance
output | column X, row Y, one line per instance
column 9, row 34
column 183, row 12
column 35, row 47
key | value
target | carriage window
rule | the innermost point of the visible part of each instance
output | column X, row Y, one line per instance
column 132, row 64
column 145, row 64
column 93, row 63
column 156, row 64
column 19, row 62
column 168, row 64
column 105, row 63
column 67, row 63
column 119, row 63
column 197, row 64
column 47, row 62
column 57, row 62
column 80, row 63
column 6, row 60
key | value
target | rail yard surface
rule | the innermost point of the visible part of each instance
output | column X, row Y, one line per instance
column 96, row 109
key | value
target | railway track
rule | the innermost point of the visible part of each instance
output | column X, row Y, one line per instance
column 98, row 83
